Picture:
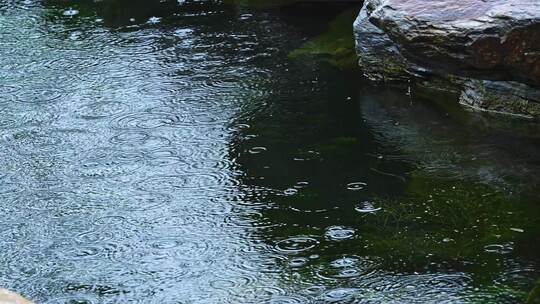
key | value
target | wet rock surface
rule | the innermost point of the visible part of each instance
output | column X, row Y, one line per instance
column 378, row 55
column 501, row 97
column 495, row 42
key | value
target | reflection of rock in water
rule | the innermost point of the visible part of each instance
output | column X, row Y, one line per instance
column 335, row 46
column 338, row 182
column 449, row 141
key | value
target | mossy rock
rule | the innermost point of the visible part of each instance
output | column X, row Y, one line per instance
column 335, row 46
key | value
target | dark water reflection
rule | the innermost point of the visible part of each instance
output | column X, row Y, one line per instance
column 185, row 159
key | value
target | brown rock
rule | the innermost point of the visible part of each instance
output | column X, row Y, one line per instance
column 486, row 39
column 490, row 46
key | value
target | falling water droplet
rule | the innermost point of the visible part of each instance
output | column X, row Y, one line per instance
column 153, row 20
column 71, row 12
column 356, row 186
column 367, row 207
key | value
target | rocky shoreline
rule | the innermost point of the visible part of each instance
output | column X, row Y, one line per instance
column 486, row 51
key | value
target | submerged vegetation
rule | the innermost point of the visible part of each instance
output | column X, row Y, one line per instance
column 431, row 199
column 335, row 46
column 534, row 295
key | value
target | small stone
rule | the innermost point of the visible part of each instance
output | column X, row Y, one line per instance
column 9, row 297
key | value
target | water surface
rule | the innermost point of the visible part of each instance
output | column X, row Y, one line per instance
column 173, row 153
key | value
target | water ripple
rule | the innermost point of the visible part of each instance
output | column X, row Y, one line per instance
column 347, row 268
column 147, row 162
column 101, row 109
column 31, row 142
column 103, row 163
column 339, row 233
column 149, row 120
column 296, row 244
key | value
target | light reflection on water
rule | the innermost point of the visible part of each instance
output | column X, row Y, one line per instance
column 185, row 160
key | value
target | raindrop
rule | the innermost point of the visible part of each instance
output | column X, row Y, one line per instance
column 300, row 185
column 356, row 186
column 153, row 20
column 245, row 16
column 340, row 295
column 290, row 192
column 257, row 150
column 71, row 12
column 498, row 248
column 296, row 244
column 298, row 262
column 366, row 207
column 338, row 233
column 344, row 262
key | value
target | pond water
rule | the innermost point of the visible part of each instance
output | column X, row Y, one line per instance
column 174, row 153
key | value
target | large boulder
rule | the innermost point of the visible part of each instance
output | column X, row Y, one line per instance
column 379, row 56
column 495, row 43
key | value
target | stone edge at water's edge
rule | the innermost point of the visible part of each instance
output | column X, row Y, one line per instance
column 9, row 297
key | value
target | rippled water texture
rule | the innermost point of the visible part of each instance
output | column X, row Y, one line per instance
column 171, row 153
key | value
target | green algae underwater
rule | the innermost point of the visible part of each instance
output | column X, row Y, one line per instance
column 431, row 200
column 446, row 213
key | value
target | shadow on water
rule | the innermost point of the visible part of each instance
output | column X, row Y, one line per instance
column 376, row 189
column 166, row 151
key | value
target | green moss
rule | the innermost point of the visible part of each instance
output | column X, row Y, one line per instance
column 335, row 46
column 450, row 220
